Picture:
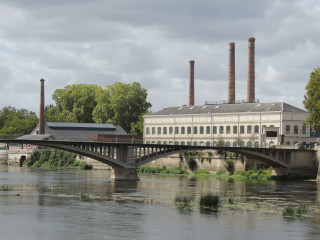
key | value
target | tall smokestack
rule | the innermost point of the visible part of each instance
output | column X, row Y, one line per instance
column 191, row 84
column 41, row 118
column 251, row 71
column 231, row 83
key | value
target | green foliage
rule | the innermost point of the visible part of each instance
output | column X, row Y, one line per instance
column 202, row 172
column 16, row 121
column 122, row 104
column 229, row 165
column 137, row 127
column 209, row 200
column 300, row 211
column 183, row 202
column 230, row 201
column 192, row 163
column 54, row 159
column 255, row 174
column 160, row 170
column 74, row 103
column 312, row 99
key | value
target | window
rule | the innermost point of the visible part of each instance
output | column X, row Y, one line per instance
column 176, row 130
column 235, row 129
column 170, row 130
column 228, row 144
column 304, row 129
column 256, row 129
column 214, row 130
column 241, row 129
column 164, row 142
column 221, row 130
column 201, row 130
column 164, row 130
column 189, row 143
column 194, row 143
column 147, row 142
column 153, row 130
column 228, row 130
column 195, row 130
column 271, row 144
column 189, row 130
column 183, row 143
column 201, row 143
column 207, row 143
column 159, row 130
column 287, row 129
column 176, row 143
column 234, row 144
column 147, row 130
column 208, row 130
column 256, row 144
column 214, row 143
column 183, row 130
column 288, row 143
column 295, row 129
column 249, row 129
column 158, row 142
column 249, row 144
column 264, row 128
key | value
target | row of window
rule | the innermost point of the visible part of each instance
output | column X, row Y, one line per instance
column 202, row 130
column 207, row 143
column 296, row 129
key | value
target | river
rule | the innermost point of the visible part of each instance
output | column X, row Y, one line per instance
column 76, row 204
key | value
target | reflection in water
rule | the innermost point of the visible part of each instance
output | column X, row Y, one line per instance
column 49, row 206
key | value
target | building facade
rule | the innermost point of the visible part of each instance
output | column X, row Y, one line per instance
column 237, row 125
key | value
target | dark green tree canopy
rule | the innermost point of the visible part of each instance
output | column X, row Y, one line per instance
column 120, row 104
column 312, row 99
column 17, row 121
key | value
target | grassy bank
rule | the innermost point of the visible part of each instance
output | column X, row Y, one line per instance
column 54, row 160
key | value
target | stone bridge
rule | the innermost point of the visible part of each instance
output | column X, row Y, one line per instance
column 124, row 158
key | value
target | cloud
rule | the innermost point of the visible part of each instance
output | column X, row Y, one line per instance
column 102, row 42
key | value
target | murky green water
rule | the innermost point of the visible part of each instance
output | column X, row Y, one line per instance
column 87, row 205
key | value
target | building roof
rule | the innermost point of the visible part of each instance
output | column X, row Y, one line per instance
column 82, row 126
column 228, row 108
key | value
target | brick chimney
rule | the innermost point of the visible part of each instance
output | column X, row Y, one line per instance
column 231, row 83
column 191, row 84
column 41, row 118
column 251, row 71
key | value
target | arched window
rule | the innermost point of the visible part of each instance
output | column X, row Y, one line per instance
column 207, row 143
column 288, row 143
column 208, row 130
column 195, row 143
column 256, row 144
column 214, row 130
column 189, row 130
column 201, row 130
column 147, row 130
column 164, row 130
column 227, row 144
column 249, row 129
column 228, row 130
column 256, row 129
column 221, row 130
column 159, row 130
column 249, row 144
column 176, row 130
column 183, row 130
column 195, row 130
column 170, row 130
column 234, row 144
column 189, row 143
column 201, row 143
column 235, row 129
column 153, row 130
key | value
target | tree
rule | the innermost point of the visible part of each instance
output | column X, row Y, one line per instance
column 17, row 121
column 312, row 99
column 74, row 103
column 122, row 104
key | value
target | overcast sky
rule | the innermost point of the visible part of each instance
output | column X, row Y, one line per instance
column 151, row 42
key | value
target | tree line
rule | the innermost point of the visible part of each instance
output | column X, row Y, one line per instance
column 120, row 104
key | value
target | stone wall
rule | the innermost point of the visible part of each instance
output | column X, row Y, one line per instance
column 4, row 156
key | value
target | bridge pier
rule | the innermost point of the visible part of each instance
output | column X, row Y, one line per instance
column 124, row 174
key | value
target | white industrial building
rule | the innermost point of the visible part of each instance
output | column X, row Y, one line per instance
column 232, row 123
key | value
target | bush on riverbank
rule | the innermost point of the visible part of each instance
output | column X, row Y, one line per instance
column 160, row 170
column 54, row 159
column 261, row 174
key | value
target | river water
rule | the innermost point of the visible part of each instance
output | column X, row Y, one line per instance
column 87, row 205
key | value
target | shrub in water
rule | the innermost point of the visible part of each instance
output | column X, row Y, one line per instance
column 288, row 212
column 209, row 200
column 302, row 210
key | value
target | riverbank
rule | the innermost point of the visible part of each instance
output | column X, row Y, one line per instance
column 254, row 174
